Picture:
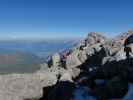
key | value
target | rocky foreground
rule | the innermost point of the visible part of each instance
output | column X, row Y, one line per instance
column 93, row 59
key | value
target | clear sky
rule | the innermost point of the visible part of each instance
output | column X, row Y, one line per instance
column 64, row 18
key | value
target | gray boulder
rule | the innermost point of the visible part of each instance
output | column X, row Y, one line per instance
column 56, row 60
column 94, row 38
column 73, row 59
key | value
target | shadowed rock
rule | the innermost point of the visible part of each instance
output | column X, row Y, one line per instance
column 61, row 91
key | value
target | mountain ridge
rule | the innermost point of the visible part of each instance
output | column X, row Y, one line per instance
column 76, row 69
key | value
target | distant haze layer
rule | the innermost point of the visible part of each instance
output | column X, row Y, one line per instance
column 24, row 56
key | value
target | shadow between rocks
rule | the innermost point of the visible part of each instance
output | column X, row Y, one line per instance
column 61, row 91
column 116, row 76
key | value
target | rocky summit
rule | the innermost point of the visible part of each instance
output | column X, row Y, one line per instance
column 98, row 68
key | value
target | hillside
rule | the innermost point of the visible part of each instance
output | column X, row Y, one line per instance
column 97, row 68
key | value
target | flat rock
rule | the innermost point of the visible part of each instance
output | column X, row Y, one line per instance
column 20, row 86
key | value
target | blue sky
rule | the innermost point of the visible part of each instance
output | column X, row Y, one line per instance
column 64, row 18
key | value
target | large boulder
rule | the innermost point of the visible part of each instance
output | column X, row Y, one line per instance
column 91, row 50
column 73, row 59
column 24, row 86
column 94, row 38
column 56, row 60
column 82, row 56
